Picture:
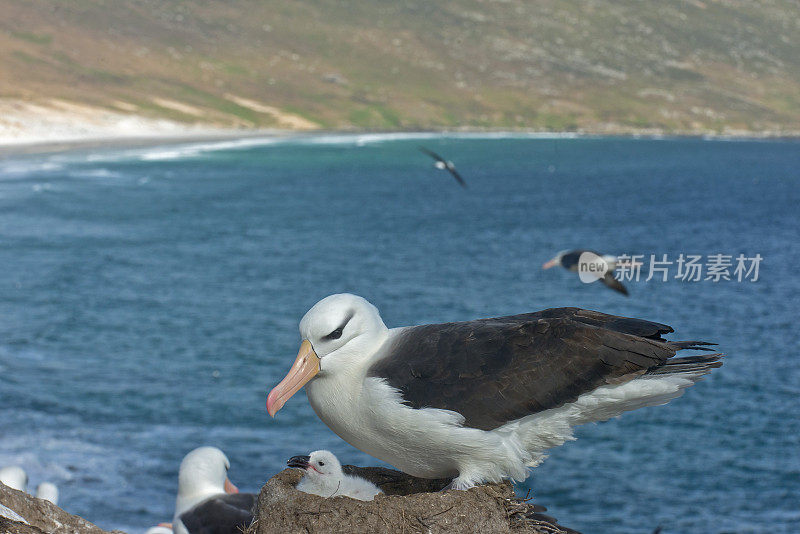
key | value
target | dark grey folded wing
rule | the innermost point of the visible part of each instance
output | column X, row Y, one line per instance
column 223, row 514
column 493, row 371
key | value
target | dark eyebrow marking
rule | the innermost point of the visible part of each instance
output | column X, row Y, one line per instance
column 336, row 334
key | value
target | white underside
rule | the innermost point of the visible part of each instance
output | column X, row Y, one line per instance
column 432, row 443
column 178, row 527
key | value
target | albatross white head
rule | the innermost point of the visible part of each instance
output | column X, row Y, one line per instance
column 202, row 475
column 555, row 260
column 338, row 331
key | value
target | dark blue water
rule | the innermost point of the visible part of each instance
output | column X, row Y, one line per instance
column 149, row 298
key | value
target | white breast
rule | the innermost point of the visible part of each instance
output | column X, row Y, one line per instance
column 428, row 442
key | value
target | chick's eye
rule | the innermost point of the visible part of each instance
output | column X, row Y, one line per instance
column 336, row 334
column 322, row 463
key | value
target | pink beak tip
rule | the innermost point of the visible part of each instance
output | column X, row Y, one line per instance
column 230, row 488
column 271, row 401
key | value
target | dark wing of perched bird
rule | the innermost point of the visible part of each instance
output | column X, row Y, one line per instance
column 492, row 371
column 223, row 514
column 447, row 165
column 613, row 283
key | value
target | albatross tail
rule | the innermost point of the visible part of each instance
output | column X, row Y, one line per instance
column 657, row 386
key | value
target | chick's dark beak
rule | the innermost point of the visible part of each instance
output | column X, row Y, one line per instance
column 300, row 462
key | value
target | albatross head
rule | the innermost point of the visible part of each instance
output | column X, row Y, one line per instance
column 337, row 331
column 203, row 474
column 556, row 260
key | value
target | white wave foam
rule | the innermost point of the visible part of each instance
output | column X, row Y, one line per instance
column 38, row 188
column 100, row 172
column 21, row 167
column 373, row 138
column 196, row 149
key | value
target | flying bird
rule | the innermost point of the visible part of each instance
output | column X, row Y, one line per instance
column 208, row 503
column 479, row 400
column 324, row 477
column 571, row 261
column 445, row 165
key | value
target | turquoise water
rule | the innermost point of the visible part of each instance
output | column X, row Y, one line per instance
column 150, row 298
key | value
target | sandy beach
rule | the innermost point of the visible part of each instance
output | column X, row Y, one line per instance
column 55, row 126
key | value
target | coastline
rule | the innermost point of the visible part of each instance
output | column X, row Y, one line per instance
column 30, row 131
column 69, row 144
column 45, row 146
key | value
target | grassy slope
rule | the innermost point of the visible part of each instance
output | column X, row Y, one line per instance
column 556, row 64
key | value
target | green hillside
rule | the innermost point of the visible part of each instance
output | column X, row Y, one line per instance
column 602, row 66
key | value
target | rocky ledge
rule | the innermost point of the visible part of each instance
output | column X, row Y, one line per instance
column 37, row 516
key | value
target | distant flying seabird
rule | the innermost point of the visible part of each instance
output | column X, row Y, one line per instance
column 479, row 400
column 208, row 503
column 444, row 165
column 570, row 260
column 324, row 477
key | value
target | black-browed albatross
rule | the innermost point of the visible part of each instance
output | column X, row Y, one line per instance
column 208, row 502
column 479, row 400
column 571, row 259
column 445, row 165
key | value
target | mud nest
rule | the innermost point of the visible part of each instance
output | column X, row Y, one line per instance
column 409, row 505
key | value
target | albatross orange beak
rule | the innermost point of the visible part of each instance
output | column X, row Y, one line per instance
column 550, row 264
column 306, row 367
column 229, row 487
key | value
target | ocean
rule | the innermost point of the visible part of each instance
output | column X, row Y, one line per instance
column 150, row 298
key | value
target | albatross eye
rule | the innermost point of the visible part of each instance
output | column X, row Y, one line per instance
column 321, row 463
column 336, row 334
